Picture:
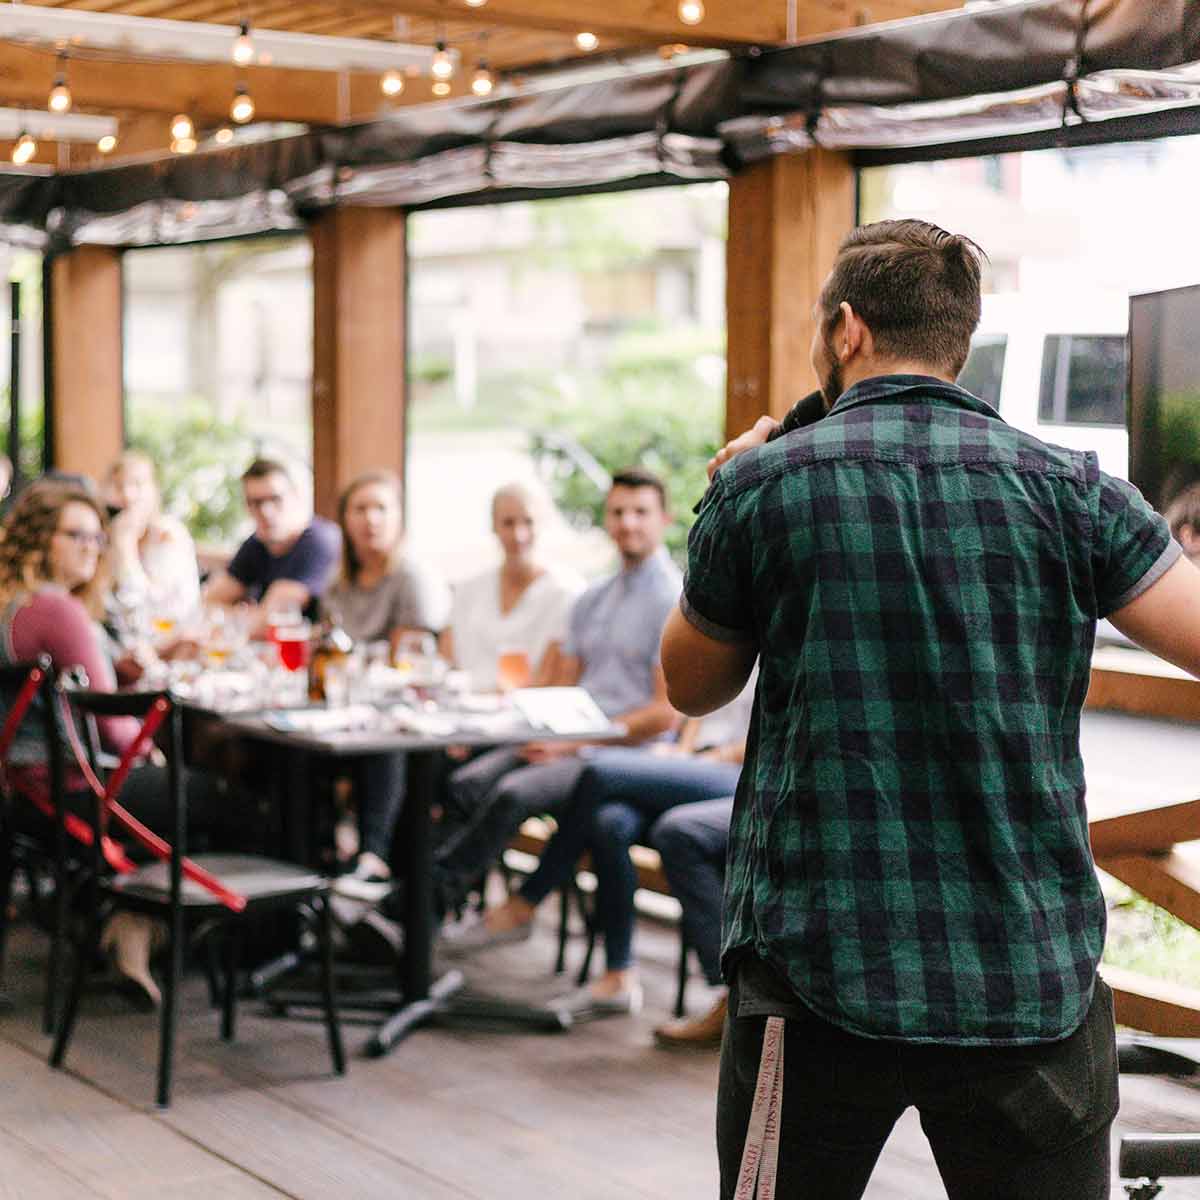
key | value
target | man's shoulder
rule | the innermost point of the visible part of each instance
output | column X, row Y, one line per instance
column 320, row 537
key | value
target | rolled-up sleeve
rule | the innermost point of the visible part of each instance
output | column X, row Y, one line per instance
column 1132, row 547
column 716, row 594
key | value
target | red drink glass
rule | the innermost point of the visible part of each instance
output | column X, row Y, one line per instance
column 293, row 647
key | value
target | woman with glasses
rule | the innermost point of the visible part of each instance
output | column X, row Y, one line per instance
column 53, row 576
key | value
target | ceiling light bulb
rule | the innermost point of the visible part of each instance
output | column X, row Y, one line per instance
column 242, row 51
column 242, row 108
column 587, row 42
column 482, row 81
column 107, row 144
column 183, row 145
column 441, row 66
column 223, row 136
column 691, row 12
column 182, row 127
column 59, row 100
column 24, row 149
column 391, row 83
column 441, row 87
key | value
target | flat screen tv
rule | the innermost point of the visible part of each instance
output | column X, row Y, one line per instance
column 1164, row 393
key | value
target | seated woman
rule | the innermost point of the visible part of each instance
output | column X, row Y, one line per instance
column 380, row 594
column 52, row 581
column 620, row 795
column 518, row 608
column 152, row 556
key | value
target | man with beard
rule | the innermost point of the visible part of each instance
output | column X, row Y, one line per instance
column 912, row 916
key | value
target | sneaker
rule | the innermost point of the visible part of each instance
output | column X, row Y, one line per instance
column 694, row 1033
column 472, row 934
column 584, row 1005
column 371, row 879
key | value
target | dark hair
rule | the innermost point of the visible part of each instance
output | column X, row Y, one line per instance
column 260, row 468
column 640, row 477
column 1183, row 510
column 916, row 286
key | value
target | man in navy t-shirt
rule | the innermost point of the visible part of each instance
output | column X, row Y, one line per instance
column 291, row 555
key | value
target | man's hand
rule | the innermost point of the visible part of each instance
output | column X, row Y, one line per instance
column 536, row 753
column 755, row 436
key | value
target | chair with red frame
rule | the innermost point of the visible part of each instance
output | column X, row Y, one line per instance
column 227, row 889
column 27, row 691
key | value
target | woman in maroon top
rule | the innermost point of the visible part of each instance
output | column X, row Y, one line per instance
column 52, row 581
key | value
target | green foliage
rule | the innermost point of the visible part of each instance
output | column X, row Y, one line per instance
column 668, row 422
column 199, row 459
column 591, row 233
column 1147, row 939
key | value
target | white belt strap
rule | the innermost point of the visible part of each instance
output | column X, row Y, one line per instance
column 760, row 1155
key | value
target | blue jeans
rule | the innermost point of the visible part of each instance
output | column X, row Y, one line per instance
column 618, row 797
column 692, row 842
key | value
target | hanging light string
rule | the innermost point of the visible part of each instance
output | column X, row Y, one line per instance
column 59, row 101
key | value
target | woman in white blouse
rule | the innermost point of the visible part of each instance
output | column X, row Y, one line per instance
column 519, row 607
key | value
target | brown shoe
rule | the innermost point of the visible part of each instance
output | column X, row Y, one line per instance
column 694, row 1033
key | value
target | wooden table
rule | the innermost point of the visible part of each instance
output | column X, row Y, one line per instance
column 418, row 997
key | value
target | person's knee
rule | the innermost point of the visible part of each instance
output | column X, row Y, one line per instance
column 616, row 825
column 671, row 835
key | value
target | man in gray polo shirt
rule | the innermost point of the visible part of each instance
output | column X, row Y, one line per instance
column 612, row 651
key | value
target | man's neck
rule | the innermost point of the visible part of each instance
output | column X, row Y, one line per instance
column 632, row 564
column 281, row 545
column 875, row 368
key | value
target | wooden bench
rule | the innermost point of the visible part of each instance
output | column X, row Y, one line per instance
column 531, row 840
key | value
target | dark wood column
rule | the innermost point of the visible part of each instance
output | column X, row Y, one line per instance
column 786, row 219
column 359, row 268
column 85, row 391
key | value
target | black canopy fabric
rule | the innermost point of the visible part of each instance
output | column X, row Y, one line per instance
column 934, row 86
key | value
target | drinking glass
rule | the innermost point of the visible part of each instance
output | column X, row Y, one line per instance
column 513, row 670
column 293, row 644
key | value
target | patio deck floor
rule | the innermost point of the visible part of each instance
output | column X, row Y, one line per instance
column 593, row 1114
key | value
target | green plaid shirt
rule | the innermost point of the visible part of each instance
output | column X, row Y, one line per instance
column 909, row 847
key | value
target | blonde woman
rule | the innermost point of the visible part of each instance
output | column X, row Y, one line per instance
column 519, row 606
column 53, row 547
column 153, row 556
column 380, row 594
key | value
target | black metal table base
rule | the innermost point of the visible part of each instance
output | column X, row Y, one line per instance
column 447, row 1004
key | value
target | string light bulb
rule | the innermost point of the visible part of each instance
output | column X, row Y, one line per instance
column 242, row 51
column 586, row 41
column 182, row 127
column 391, row 82
column 107, row 144
column 691, row 12
column 242, row 108
column 475, row 3
column 441, row 66
column 59, row 101
column 441, row 87
column 24, row 149
column 223, row 136
column 482, row 81
column 183, row 145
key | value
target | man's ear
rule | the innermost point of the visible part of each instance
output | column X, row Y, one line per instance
column 853, row 335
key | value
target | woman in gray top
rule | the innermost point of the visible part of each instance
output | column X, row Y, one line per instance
column 380, row 594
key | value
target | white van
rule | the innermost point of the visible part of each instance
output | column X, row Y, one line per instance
column 1057, row 369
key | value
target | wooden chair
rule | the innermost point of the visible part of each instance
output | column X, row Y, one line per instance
column 27, row 693
column 228, row 889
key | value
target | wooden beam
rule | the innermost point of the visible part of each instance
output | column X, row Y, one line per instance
column 1138, row 683
column 1152, row 830
column 1171, row 880
column 88, row 385
column 359, row 268
column 787, row 217
column 726, row 22
column 1152, row 1005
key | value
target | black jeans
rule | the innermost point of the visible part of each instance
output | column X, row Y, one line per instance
column 1004, row 1123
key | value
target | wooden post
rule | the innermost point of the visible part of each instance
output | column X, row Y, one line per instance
column 359, row 267
column 787, row 217
column 86, row 390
